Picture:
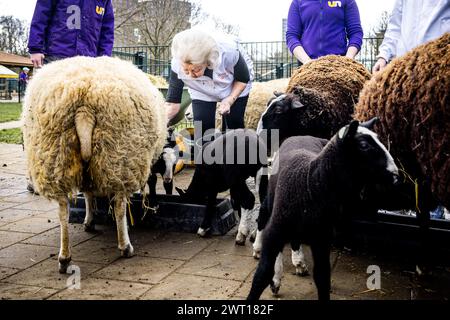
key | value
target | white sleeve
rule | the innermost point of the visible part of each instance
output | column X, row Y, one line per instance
column 388, row 48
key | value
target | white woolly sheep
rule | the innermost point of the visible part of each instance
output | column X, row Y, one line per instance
column 94, row 125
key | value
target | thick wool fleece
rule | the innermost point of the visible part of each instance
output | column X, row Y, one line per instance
column 129, row 126
column 411, row 98
column 338, row 80
column 303, row 143
column 259, row 96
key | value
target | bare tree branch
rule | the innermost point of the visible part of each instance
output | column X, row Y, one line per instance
column 13, row 35
column 156, row 21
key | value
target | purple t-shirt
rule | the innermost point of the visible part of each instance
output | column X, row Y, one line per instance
column 323, row 27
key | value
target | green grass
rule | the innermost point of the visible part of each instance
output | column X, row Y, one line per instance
column 11, row 136
column 10, row 111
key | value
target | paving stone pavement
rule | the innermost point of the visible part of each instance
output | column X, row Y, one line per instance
column 167, row 265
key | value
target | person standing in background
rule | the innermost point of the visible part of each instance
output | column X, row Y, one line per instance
column 23, row 79
column 317, row 28
column 412, row 23
column 61, row 29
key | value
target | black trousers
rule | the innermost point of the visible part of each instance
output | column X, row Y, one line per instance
column 205, row 112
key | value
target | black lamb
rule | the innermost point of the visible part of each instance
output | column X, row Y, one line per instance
column 225, row 164
column 321, row 182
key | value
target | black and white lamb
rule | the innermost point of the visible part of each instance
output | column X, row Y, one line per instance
column 321, row 182
column 164, row 166
column 225, row 164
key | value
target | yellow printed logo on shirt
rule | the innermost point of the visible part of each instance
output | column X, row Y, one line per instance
column 334, row 4
column 99, row 10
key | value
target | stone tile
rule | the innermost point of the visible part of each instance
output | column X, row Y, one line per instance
column 6, row 272
column 139, row 237
column 40, row 204
column 293, row 287
column 174, row 245
column 52, row 214
column 219, row 265
column 10, row 291
column 8, row 238
column 46, row 274
column 349, row 279
column 12, row 215
column 139, row 269
column 189, row 287
column 435, row 286
column 94, row 289
column 51, row 238
column 96, row 252
column 22, row 197
column 31, row 225
column 12, row 182
column 226, row 245
column 21, row 256
column 5, row 191
column 5, row 205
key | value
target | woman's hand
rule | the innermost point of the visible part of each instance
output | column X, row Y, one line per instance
column 351, row 52
column 37, row 59
column 225, row 105
column 380, row 65
column 172, row 110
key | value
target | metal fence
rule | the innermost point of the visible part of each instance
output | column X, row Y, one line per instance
column 271, row 60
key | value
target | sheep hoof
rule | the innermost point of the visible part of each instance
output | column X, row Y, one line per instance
column 154, row 209
column 275, row 288
column 256, row 254
column 301, row 269
column 63, row 264
column 203, row 232
column 240, row 239
column 89, row 227
column 128, row 252
column 422, row 271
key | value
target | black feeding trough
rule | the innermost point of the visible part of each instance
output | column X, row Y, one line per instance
column 172, row 213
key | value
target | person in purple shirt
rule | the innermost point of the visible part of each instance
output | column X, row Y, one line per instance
column 317, row 28
column 68, row 28
column 23, row 79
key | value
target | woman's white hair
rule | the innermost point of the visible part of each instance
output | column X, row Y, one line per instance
column 194, row 46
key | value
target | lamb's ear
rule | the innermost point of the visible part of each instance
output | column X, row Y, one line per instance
column 277, row 93
column 369, row 124
column 348, row 131
column 296, row 104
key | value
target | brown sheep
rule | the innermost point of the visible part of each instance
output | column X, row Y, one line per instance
column 339, row 78
column 411, row 99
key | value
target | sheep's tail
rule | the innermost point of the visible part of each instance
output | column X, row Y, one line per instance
column 84, row 124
